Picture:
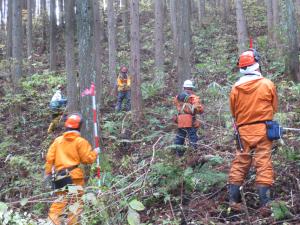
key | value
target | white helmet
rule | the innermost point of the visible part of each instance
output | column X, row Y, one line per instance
column 188, row 84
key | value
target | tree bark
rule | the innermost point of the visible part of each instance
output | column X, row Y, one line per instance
column 269, row 6
column 61, row 13
column 85, row 62
column 17, row 43
column 72, row 89
column 29, row 34
column 111, row 26
column 226, row 10
column 98, row 34
column 173, row 22
column 53, row 33
column 135, row 61
column 241, row 25
column 9, row 30
column 201, row 11
column 292, row 62
column 44, row 26
column 159, row 37
column 275, row 23
column 124, row 12
column 183, row 57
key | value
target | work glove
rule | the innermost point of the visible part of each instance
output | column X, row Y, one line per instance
column 183, row 97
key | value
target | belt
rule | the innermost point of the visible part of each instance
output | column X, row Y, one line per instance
column 256, row 122
column 69, row 168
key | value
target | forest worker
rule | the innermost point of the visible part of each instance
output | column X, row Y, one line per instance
column 57, row 105
column 188, row 106
column 64, row 156
column 123, row 89
column 253, row 100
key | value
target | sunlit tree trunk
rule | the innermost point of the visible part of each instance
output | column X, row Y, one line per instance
column 53, row 33
column 72, row 90
column 241, row 25
column 292, row 61
column 135, row 61
column 85, row 62
column 112, row 41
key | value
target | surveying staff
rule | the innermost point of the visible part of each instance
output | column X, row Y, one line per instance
column 65, row 155
column 253, row 100
column 188, row 106
column 123, row 89
column 57, row 104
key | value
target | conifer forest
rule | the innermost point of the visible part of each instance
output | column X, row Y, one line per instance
column 149, row 112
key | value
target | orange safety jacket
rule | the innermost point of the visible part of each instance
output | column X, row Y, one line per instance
column 123, row 84
column 253, row 100
column 187, row 110
column 67, row 151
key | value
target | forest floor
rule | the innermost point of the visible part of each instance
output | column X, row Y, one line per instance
column 137, row 161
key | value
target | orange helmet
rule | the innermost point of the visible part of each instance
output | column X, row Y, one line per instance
column 124, row 69
column 74, row 121
column 248, row 58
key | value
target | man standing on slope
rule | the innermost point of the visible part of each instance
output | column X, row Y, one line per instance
column 253, row 100
column 64, row 156
column 188, row 106
column 123, row 89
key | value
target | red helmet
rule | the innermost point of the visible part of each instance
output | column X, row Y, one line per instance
column 124, row 69
column 74, row 121
column 248, row 58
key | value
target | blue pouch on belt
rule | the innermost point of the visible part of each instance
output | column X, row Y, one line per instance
column 274, row 130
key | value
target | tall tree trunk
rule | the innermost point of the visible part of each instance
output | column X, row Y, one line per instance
column 135, row 60
column 124, row 12
column 53, row 33
column 275, row 23
column 269, row 6
column 29, row 34
column 173, row 22
column 9, row 29
column 17, row 43
column 241, row 25
column 86, row 71
column 98, row 34
column 292, row 62
column 226, row 10
column 72, row 89
column 44, row 26
column 61, row 13
column 183, row 57
column 201, row 11
column 111, row 27
column 159, row 37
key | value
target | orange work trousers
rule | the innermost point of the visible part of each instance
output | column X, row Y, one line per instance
column 257, row 152
column 59, row 206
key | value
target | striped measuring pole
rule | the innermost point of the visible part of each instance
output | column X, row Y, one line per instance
column 91, row 91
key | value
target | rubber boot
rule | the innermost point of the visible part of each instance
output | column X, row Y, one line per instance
column 235, row 197
column 264, row 198
column 264, row 195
